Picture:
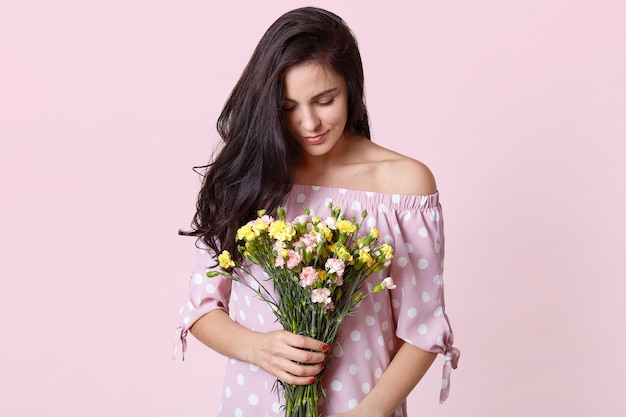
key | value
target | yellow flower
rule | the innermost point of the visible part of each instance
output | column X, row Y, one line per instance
column 246, row 233
column 282, row 231
column 326, row 232
column 345, row 226
column 343, row 253
column 386, row 250
column 225, row 260
column 375, row 233
column 366, row 258
column 321, row 273
column 259, row 226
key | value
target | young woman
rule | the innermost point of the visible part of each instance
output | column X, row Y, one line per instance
column 296, row 134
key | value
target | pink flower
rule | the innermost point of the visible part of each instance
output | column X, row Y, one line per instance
column 335, row 266
column 293, row 259
column 321, row 295
column 308, row 277
column 388, row 284
column 309, row 242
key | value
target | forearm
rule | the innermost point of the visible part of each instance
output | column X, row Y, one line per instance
column 402, row 375
column 292, row 358
column 219, row 332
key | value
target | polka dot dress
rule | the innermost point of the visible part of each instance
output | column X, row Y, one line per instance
column 413, row 312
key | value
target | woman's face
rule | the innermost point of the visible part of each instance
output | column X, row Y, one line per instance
column 315, row 106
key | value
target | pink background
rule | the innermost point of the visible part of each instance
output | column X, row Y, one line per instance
column 518, row 107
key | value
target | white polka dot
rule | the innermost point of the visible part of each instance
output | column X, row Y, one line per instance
column 422, row 263
column 371, row 222
column 356, row 205
column 234, row 295
column 444, row 383
column 382, row 208
column 276, row 408
column 315, row 187
column 440, row 341
column 388, row 239
column 233, row 361
column 253, row 399
column 336, row 386
column 402, row 262
column 438, row 279
column 255, row 285
column 370, row 321
column 378, row 372
column 366, row 388
column 181, row 310
column 413, row 280
column 391, row 345
column 368, row 354
column 422, row 232
column 238, row 412
column 189, row 306
column 253, row 367
column 301, row 198
column 381, row 340
column 377, row 307
column 406, row 216
column 227, row 392
column 395, row 198
column 438, row 311
column 396, row 229
column 395, row 303
column 242, row 314
column 343, row 190
column 328, row 202
column 338, row 350
column 384, row 325
column 355, row 335
column 425, row 297
column 210, row 288
column 423, row 201
column 437, row 247
column 422, row 329
column 240, row 379
column 186, row 320
column 197, row 279
column 352, row 369
column 412, row 313
column 246, row 299
column 261, row 318
column 408, row 247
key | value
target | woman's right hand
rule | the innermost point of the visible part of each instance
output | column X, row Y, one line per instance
column 292, row 358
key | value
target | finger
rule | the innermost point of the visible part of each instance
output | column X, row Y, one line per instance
column 305, row 342
column 302, row 370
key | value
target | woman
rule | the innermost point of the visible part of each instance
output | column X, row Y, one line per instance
column 296, row 133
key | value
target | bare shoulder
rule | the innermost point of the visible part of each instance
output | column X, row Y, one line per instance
column 395, row 173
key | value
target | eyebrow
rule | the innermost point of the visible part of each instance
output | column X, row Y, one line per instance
column 323, row 93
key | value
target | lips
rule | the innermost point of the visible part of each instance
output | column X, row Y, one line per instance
column 314, row 140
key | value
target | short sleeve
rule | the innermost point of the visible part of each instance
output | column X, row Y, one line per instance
column 204, row 295
column 417, row 269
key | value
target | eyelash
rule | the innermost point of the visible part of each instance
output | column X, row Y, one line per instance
column 323, row 104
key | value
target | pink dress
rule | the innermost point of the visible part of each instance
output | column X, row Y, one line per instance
column 413, row 312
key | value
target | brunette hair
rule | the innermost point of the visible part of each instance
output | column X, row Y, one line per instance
column 254, row 168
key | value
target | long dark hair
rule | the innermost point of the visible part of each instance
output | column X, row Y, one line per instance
column 254, row 168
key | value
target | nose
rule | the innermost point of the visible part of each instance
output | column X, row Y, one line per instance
column 310, row 120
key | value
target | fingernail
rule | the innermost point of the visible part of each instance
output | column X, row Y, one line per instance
column 325, row 347
column 323, row 366
column 313, row 379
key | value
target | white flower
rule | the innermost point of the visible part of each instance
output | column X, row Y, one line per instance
column 388, row 284
column 321, row 295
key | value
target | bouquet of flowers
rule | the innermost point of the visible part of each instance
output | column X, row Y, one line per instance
column 318, row 268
